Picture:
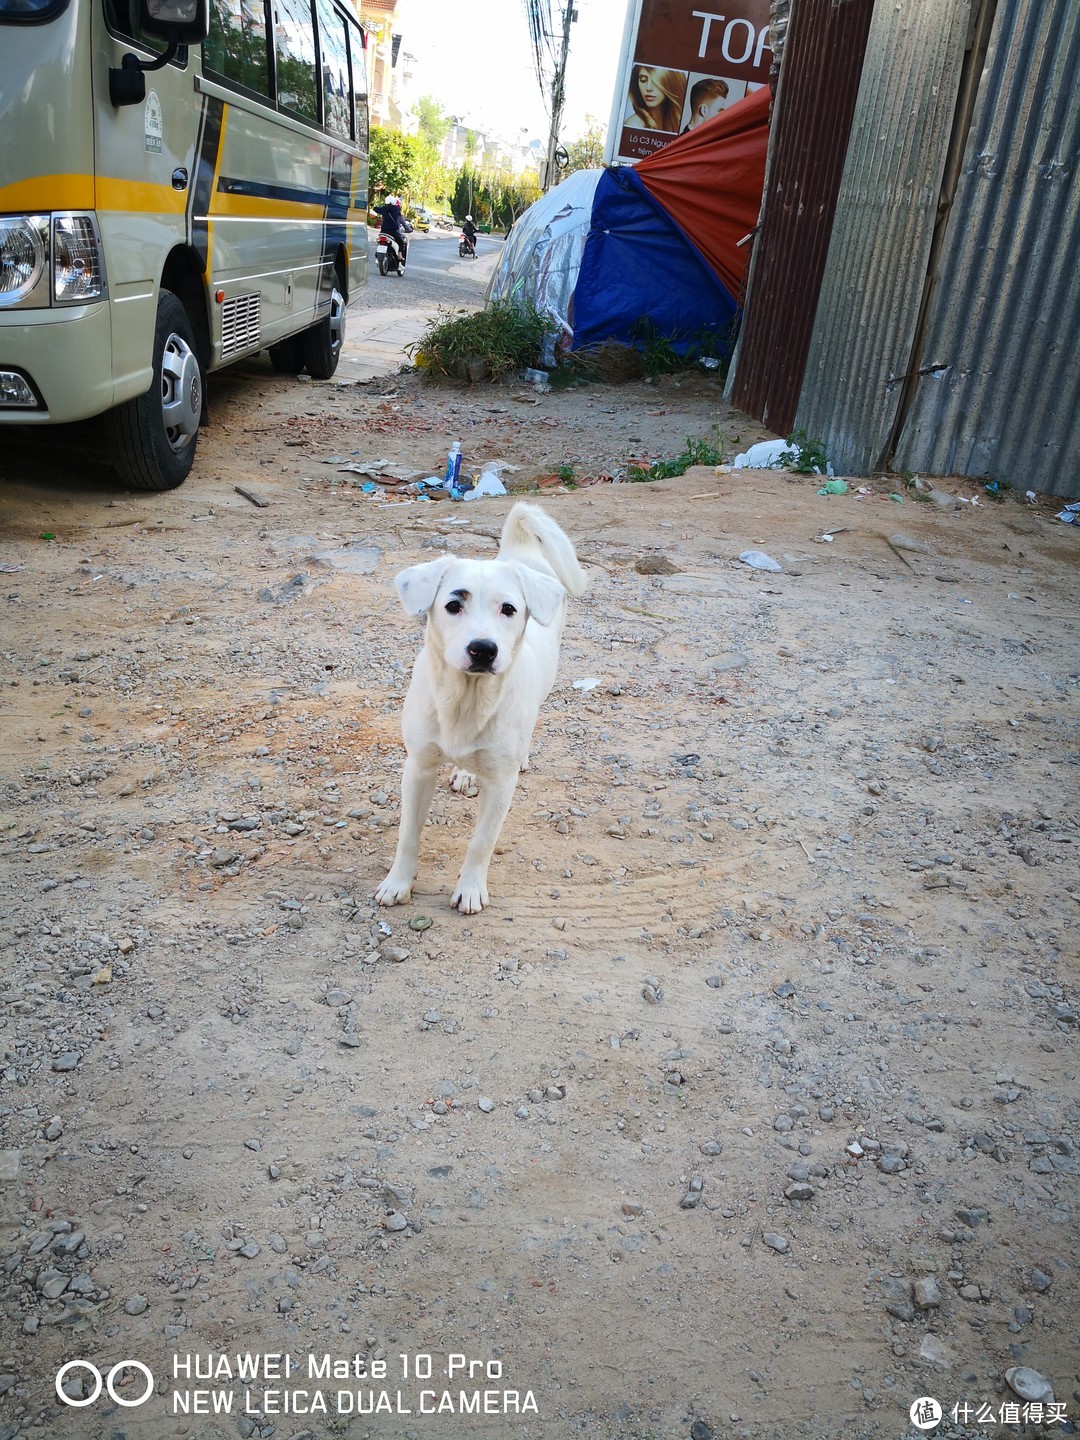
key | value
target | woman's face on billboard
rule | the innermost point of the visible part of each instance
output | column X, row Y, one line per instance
column 648, row 89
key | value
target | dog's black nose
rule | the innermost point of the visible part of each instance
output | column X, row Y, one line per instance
column 482, row 653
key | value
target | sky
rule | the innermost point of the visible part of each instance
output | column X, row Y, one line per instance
column 476, row 60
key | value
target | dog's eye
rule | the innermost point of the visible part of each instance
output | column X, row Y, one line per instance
column 509, row 609
column 453, row 607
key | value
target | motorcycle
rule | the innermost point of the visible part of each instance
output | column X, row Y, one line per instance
column 388, row 254
column 466, row 248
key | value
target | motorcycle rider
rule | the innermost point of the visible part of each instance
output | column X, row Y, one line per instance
column 469, row 232
column 392, row 223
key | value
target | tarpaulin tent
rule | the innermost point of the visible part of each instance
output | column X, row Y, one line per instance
column 655, row 241
column 710, row 182
column 542, row 254
column 662, row 244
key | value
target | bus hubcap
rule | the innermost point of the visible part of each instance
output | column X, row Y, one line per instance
column 337, row 319
column 181, row 392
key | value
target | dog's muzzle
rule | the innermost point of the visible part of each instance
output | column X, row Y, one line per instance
column 482, row 654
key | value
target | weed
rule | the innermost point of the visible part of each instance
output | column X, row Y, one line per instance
column 806, row 457
column 996, row 488
column 505, row 337
column 658, row 354
column 566, row 474
column 697, row 452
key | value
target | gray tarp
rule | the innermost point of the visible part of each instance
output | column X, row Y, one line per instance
column 541, row 259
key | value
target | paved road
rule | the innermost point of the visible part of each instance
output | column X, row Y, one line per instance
column 434, row 258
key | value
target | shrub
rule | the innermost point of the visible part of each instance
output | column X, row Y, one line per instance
column 506, row 336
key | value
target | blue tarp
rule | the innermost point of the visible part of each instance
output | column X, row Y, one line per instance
column 638, row 265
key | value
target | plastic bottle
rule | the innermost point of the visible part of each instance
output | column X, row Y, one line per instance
column 453, row 466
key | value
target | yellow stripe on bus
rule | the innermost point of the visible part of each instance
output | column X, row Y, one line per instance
column 48, row 192
column 138, row 197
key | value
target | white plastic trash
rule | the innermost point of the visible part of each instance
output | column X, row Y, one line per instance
column 758, row 560
column 763, row 456
column 488, row 483
column 774, row 455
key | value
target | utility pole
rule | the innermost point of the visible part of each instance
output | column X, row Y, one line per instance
column 558, row 96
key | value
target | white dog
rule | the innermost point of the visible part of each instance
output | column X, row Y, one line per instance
column 491, row 648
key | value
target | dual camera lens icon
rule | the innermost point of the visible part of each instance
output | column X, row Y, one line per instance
column 108, row 1381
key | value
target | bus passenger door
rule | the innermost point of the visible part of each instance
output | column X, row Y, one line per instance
column 144, row 159
column 262, row 181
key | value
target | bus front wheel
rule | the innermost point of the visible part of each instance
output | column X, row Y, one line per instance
column 322, row 344
column 152, row 438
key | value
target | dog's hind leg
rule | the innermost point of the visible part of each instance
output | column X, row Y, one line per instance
column 417, row 789
column 496, row 793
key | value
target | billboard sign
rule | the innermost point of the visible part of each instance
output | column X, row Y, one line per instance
column 683, row 62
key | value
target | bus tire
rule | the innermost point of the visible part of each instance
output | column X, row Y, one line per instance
column 152, row 438
column 286, row 356
column 322, row 344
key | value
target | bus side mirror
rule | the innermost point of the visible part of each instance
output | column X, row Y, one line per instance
column 179, row 22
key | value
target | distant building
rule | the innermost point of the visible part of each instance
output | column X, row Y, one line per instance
column 383, row 62
column 489, row 152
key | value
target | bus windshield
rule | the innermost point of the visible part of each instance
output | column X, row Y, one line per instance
column 15, row 10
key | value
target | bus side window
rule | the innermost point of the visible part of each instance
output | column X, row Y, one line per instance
column 122, row 17
column 335, row 70
column 236, row 48
column 294, row 41
column 358, row 60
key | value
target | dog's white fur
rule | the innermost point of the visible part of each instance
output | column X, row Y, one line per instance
column 477, row 707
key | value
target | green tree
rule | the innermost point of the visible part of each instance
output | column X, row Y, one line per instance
column 466, row 192
column 495, row 199
column 587, row 151
column 392, row 162
column 434, row 125
column 430, row 178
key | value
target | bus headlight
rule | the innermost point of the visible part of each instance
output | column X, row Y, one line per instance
column 23, row 240
column 78, row 272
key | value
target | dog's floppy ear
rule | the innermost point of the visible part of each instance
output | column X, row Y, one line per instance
column 543, row 593
column 419, row 584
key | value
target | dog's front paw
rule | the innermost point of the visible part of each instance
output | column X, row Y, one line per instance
column 394, row 891
column 470, row 896
column 463, row 782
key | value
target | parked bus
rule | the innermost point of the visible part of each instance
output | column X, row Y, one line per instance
column 182, row 184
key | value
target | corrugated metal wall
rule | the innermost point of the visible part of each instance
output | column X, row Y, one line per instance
column 872, row 288
column 816, row 100
column 1004, row 321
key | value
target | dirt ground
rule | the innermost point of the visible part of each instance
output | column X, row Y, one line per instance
column 749, row 1105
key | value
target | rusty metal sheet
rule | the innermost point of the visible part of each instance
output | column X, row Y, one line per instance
column 812, row 115
column 1000, row 395
column 872, row 288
